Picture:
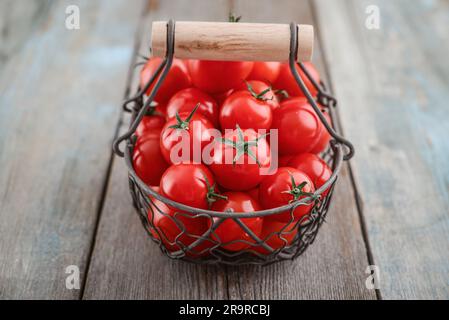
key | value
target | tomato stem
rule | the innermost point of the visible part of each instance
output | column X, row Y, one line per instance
column 243, row 147
column 297, row 189
column 212, row 196
column 184, row 124
column 259, row 96
column 233, row 18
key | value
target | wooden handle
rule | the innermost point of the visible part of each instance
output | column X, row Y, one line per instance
column 227, row 41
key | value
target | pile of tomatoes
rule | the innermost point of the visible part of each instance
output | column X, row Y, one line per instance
column 238, row 100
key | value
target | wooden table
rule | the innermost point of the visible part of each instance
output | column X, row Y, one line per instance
column 64, row 198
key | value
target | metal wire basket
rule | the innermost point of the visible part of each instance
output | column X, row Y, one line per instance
column 208, row 248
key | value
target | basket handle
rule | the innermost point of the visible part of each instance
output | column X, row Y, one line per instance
column 228, row 41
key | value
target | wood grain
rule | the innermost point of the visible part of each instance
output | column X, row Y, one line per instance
column 394, row 99
column 126, row 264
column 229, row 41
column 58, row 110
column 17, row 22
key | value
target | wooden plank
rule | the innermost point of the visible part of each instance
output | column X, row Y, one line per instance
column 125, row 266
column 58, row 110
column 17, row 22
column 392, row 85
column 334, row 266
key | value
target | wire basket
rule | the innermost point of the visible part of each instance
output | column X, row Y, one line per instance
column 207, row 248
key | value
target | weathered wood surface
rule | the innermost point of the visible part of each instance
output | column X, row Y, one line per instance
column 393, row 93
column 59, row 92
column 18, row 20
column 126, row 264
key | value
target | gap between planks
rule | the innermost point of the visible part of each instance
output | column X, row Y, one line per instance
column 339, row 126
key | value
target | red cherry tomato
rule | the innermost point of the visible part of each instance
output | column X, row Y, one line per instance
column 166, row 223
column 287, row 82
column 184, row 138
column 189, row 184
column 178, row 78
column 325, row 137
column 277, row 235
column 150, row 123
column 148, row 161
column 315, row 168
column 299, row 127
column 244, row 109
column 218, row 76
column 186, row 100
column 238, row 163
column 265, row 71
column 221, row 97
column 160, row 109
column 283, row 161
column 254, row 193
column 229, row 231
column 259, row 87
column 285, row 186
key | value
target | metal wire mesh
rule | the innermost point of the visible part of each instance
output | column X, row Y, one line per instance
column 206, row 246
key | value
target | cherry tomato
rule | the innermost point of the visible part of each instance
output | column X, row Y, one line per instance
column 299, row 127
column 325, row 137
column 285, row 186
column 283, row 161
column 185, row 101
column 240, row 160
column 150, row 123
column 161, row 109
column 148, row 161
column 218, row 76
column 184, row 137
column 178, row 78
column 265, row 71
column 315, row 168
column 221, row 97
column 277, row 235
column 246, row 110
column 260, row 88
column 189, row 184
column 254, row 193
column 287, row 82
column 229, row 231
column 166, row 223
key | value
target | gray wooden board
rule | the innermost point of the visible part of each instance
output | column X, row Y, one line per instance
column 18, row 20
column 58, row 112
column 393, row 87
column 126, row 264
